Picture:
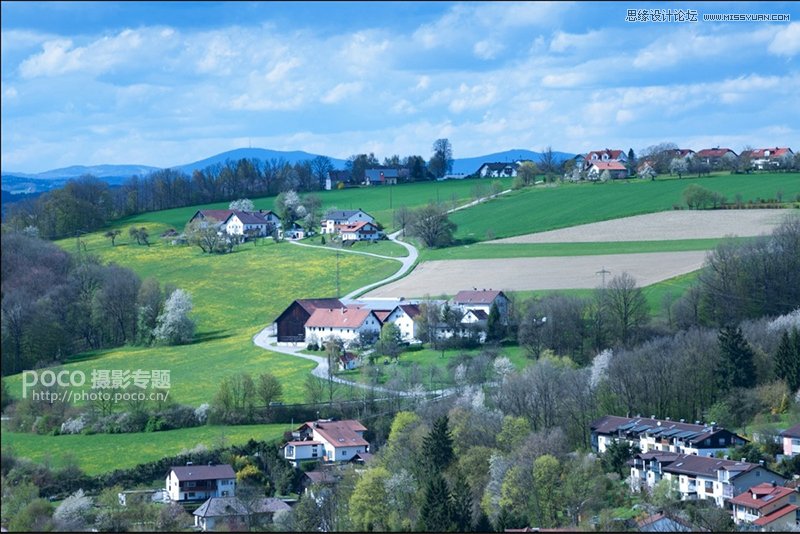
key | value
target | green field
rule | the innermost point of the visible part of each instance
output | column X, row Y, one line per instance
column 100, row 453
column 381, row 248
column 235, row 295
column 559, row 206
column 378, row 201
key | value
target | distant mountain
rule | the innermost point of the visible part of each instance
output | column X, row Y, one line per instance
column 98, row 171
column 470, row 165
column 262, row 154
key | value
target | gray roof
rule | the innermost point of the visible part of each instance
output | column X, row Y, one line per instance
column 221, row 507
column 203, row 472
column 340, row 215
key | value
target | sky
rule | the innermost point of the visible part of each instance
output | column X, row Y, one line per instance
column 169, row 83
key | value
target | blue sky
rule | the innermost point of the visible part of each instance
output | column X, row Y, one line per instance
column 167, row 83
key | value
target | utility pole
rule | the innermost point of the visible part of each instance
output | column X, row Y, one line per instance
column 603, row 273
column 337, row 272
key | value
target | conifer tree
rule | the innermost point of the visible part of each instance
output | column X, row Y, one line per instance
column 737, row 365
column 787, row 359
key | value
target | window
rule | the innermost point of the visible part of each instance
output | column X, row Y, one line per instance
column 191, row 484
column 344, row 453
column 722, row 441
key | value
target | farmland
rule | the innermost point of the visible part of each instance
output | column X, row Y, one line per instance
column 99, row 453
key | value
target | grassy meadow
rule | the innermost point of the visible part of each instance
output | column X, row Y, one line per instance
column 100, row 453
column 559, row 206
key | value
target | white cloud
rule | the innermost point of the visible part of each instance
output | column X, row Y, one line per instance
column 423, row 83
column 786, row 41
column 281, row 70
column 403, row 107
column 487, row 49
column 341, row 91
column 563, row 42
column 564, row 79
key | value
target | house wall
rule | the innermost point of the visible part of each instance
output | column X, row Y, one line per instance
column 220, row 488
column 791, row 446
column 291, row 324
column 406, row 325
column 303, row 452
column 342, row 454
column 347, row 335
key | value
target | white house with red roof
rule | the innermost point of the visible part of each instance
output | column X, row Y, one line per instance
column 482, row 299
column 403, row 317
column 715, row 156
column 584, row 162
column 768, row 506
column 791, row 441
column 615, row 169
column 238, row 222
column 769, row 158
column 345, row 324
column 327, row 440
column 200, row 482
column 334, row 220
column 361, row 231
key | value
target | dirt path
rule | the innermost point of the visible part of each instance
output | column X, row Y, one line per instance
column 663, row 226
column 519, row 274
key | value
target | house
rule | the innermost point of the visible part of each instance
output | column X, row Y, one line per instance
column 791, row 441
column 497, row 170
column 295, row 232
column 663, row 435
column 348, row 361
column 333, row 220
column 663, row 523
column 381, row 176
column 584, row 162
column 334, row 178
column 230, row 513
column 237, row 222
column 698, row 477
column 767, row 505
column 769, row 158
column 475, row 317
column 616, row 170
column 482, row 300
column 361, row 231
column 200, row 482
column 346, row 324
column 330, row 441
column 403, row 317
column 290, row 324
column 714, row 157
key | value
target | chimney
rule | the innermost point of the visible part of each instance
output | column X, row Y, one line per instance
column 683, row 420
column 774, row 484
column 188, row 463
column 697, row 422
column 761, row 463
column 726, row 457
column 652, row 417
column 744, row 459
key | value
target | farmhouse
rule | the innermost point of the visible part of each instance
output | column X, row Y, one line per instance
column 768, row 506
column 361, row 231
column 698, row 477
column 200, row 482
column 326, row 440
column 290, row 324
column 237, row 222
column 791, row 441
column 583, row 162
column 615, row 169
column 497, row 170
column 334, row 220
column 482, row 300
column 714, row 157
column 650, row 434
column 403, row 317
column 346, row 324
column 769, row 158
column 381, row 176
column 231, row 513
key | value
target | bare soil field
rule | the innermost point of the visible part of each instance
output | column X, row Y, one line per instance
column 663, row 226
column 519, row 274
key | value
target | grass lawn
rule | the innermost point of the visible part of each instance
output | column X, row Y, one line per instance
column 100, row 453
column 563, row 205
column 529, row 250
column 234, row 295
column 378, row 201
column 382, row 247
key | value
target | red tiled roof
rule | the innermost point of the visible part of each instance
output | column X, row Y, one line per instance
column 382, row 314
column 219, row 215
column 792, row 432
column 477, row 297
column 612, row 165
column 340, row 433
column 412, row 310
column 346, row 317
column 359, row 227
column 714, row 152
column 310, row 305
column 612, row 154
column 765, row 494
column 776, row 152
column 777, row 514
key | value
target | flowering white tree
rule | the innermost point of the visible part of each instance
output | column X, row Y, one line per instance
column 503, row 367
column 74, row 513
column 174, row 326
column 600, row 367
column 243, row 204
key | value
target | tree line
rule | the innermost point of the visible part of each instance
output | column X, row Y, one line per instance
column 56, row 304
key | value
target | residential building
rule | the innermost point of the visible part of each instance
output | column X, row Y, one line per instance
column 663, row 435
column 381, row 176
column 361, row 231
column 482, row 300
column 200, row 482
column 334, row 178
column 714, row 157
column 583, row 162
column 290, row 324
column 326, row 440
column 616, row 170
column 769, row 158
column 768, row 506
column 346, row 324
column 699, row 477
column 498, row 170
column 791, row 441
column 334, row 220
column 348, row 361
column 231, row 514
column 403, row 317
column 242, row 223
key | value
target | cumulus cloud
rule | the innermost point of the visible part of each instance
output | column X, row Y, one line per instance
column 786, row 41
column 341, row 91
column 487, row 49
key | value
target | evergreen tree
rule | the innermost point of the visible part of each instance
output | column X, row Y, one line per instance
column 494, row 325
column 787, row 359
column 617, row 453
column 436, row 513
column 437, row 447
column 462, row 503
column 737, row 365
